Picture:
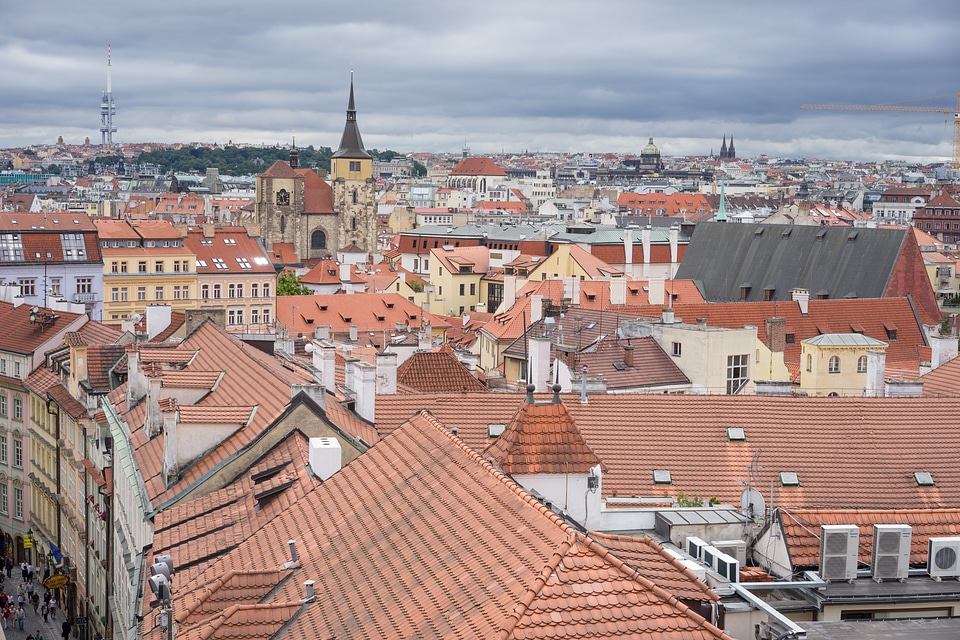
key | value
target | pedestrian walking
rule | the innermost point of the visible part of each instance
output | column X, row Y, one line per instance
column 53, row 606
column 23, row 571
column 21, row 616
column 36, row 635
column 6, row 616
column 65, row 630
column 45, row 610
column 35, row 599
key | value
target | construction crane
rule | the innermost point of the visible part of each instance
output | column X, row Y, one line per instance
column 903, row 108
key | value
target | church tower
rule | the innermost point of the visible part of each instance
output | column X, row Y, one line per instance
column 351, row 172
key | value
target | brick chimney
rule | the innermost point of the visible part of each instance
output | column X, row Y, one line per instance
column 628, row 355
column 776, row 334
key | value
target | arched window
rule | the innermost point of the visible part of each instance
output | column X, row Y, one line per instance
column 283, row 224
column 862, row 364
column 809, row 362
column 834, row 365
column 318, row 240
column 353, row 223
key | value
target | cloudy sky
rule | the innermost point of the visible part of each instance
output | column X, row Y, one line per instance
column 563, row 75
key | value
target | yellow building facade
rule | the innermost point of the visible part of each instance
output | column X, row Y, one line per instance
column 836, row 364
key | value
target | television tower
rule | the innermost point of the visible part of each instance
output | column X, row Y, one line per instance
column 107, row 108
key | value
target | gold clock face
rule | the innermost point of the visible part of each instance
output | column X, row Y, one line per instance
column 283, row 197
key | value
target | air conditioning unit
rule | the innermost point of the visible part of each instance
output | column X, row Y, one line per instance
column 891, row 552
column 728, row 567
column 708, row 556
column 695, row 547
column 734, row 548
column 943, row 558
column 839, row 546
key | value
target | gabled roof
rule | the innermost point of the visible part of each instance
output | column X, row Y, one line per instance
column 351, row 144
column 542, row 438
column 230, row 250
column 847, row 452
column 381, row 536
column 317, row 194
column 279, row 169
column 477, row 167
column 477, row 258
column 437, row 371
column 944, row 381
column 19, row 335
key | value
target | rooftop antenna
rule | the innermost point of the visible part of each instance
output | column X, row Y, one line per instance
column 107, row 108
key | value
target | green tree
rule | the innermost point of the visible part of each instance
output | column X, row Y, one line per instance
column 418, row 169
column 288, row 284
column 53, row 169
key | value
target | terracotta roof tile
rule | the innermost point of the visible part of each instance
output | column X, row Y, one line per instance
column 192, row 379
column 437, row 371
column 477, row 167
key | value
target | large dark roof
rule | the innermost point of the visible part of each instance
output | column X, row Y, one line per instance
column 838, row 262
column 351, row 144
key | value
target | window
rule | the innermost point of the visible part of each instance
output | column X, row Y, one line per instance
column 809, row 362
column 266, row 315
column 235, row 316
column 219, row 263
column 737, row 367
column 3, row 365
column 216, row 291
column 114, row 267
column 159, row 293
column 176, row 292
column 834, row 365
column 158, row 266
column 318, row 240
column 17, row 409
column 462, row 288
column 84, row 285
column 123, row 267
column 254, row 316
column 115, row 294
column 354, row 165
column 141, row 293
column 55, row 286
column 266, row 289
column 205, row 291
column 255, row 290
column 473, row 288
column 18, row 503
column 862, row 364
column 789, row 479
column 3, row 405
column 17, row 452
column 4, row 499
column 240, row 290
column 231, row 291
column 662, row 476
column 142, row 266
column 244, row 264
column 123, row 294
column 176, row 266
column 353, row 223
column 28, row 286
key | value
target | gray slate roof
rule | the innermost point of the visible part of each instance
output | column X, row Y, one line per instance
column 838, row 262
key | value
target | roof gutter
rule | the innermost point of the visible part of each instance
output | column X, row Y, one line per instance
column 793, row 630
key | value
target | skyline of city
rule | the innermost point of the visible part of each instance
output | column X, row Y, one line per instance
column 498, row 78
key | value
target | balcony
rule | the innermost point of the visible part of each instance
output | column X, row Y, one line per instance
column 84, row 297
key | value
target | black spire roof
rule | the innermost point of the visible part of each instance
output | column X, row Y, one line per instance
column 351, row 144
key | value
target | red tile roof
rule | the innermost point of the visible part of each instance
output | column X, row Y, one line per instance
column 19, row 335
column 943, row 381
column 542, row 438
column 477, row 167
column 847, row 452
column 478, row 559
column 317, row 194
column 238, row 251
column 437, row 371
column 279, row 169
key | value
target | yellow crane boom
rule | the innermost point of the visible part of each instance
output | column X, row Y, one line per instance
column 903, row 108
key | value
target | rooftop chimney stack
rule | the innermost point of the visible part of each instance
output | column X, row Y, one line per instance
column 325, row 458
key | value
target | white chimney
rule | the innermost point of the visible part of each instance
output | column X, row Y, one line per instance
column 325, row 360
column 667, row 315
column 618, row 291
column 645, row 237
column 509, row 293
column 802, row 298
column 315, row 392
column 540, row 363
column 536, row 308
column 365, row 387
column 876, row 372
column 425, row 339
column 571, row 289
column 325, row 457
column 674, row 248
column 656, row 291
column 344, row 276
column 171, row 465
column 628, row 251
column 353, row 333
column 386, row 373
column 322, row 332
column 152, row 421
column 136, row 383
column 158, row 319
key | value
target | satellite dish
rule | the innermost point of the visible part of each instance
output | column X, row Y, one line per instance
column 752, row 504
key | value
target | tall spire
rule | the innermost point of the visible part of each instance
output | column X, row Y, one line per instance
column 722, row 212
column 107, row 107
column 351, row 144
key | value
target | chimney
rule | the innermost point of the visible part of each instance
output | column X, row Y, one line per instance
column 628, row 355
column 776, row 334
column 618, row 291
column 666, row 315
column 656, row 291
column 136, row 382
column 344, row 276
column 425, row 339
column 158, row 319
column 583, row 385
column 674, row 248
column 802, row 298
column 325, row 457
column 536, row 308
column 645, row 238
column 152, row 421
column 322, row 332
column 875, row 386
column 209, row 230
column 571, row 289
column 316, row 392
column 365, row 386
column 509, row 293
column 325, row 360
column 628, row 251
column 702, row 324
column 353, row 333
column 170, row 460
column 540, row 363
column 386, row 373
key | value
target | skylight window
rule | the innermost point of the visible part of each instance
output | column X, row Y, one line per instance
column 789, row 479
column 206, row 241
column 201, row 263
column 662, row 476
column 219, row 263
column 494, row 430
column 736, row 434
column 923, row 478
column 244, row 263
column 260, row 260
column 229, row 241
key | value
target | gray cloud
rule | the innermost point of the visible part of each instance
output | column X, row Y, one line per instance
column 562, row 75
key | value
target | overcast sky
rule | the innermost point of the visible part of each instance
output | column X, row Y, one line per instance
column 563, row 75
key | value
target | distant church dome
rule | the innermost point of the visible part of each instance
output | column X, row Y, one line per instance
column 650, row 149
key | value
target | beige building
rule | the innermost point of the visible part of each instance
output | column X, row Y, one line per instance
column 145, row 262
column 455, row 275
column 838, row 364
column 233, row 272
